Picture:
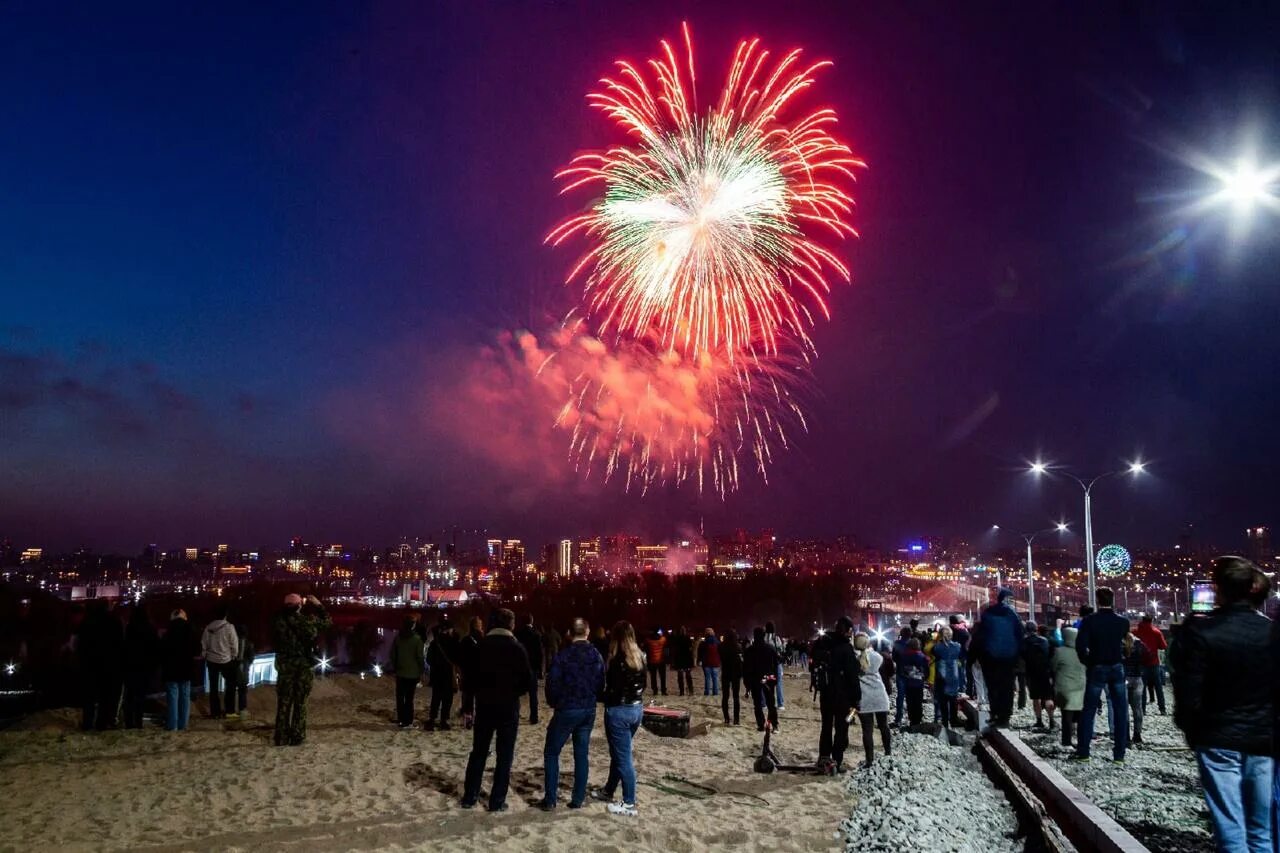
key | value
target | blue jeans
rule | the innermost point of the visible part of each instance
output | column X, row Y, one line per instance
column 570, row 722
column 1153, row 679
column 620, row 725
column 1238, row 791
column 779, row 674
column 711, row 681
column 1111, row 679
column 901, row 684
column 179, row 706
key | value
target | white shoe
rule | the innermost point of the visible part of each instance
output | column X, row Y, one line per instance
column 782, row 707
column 624, row 809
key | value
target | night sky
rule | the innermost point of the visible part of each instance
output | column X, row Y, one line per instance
column 252, row 260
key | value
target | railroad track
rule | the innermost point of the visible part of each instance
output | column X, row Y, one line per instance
column 1050, row 804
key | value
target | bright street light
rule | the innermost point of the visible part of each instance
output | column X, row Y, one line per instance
column 1061, row 527
column 1133, row 468
column 1247, row 185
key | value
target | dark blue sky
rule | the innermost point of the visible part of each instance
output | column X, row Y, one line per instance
column 250, row 257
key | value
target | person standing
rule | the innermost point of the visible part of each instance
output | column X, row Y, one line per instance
column 408, row 659
column 244, row 664
column 221, row 647
column 1154, row 642
column 780, row 648
column 1134, row 655
column 1224, row 703
column 759, row 669
column 731, row 675
column 1035, row 658
column 657, row 658
column 913, row 667
column 623, row 712
column 100, row 649
column 141, row 650
column 444, row 676
column 294, row 632
column 709, row 660
column 948, row 671
column 1100, row 647
column 1068, row 684
column 531, row 639
column 575, row 680
column 178, row 651
column 466, row 654
column 682, row 659
column 840, row 694
column 998, row 643
column 899, row 650
column 873, row 707
column 500, row 675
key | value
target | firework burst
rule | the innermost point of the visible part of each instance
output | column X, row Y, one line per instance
column 702, row 274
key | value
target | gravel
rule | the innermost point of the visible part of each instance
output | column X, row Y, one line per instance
column 927, row 796
column 1155, row 794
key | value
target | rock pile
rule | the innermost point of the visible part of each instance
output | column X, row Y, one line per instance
column 927, row 796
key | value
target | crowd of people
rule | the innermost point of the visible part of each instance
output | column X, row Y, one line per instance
column 1222, row 667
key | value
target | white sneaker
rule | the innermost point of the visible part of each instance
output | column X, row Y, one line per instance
column 782, row 707
column 625, row 809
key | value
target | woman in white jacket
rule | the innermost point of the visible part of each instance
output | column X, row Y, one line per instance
column 874, row 707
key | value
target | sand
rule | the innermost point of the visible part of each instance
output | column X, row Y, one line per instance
column 359, row 783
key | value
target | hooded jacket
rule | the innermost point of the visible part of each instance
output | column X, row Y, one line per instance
column 407, row 656
column 999, row 633
column 219, row 642
column 1068, row 674
column 1153, row 638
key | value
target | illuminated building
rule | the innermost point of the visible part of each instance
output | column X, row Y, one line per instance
column 589, row 555
column 32, row 555
column 493, row 547
column 651, row 557
column 513, row 555
column 564, row 559
column 193, row 553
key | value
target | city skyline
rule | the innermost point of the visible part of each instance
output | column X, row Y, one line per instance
column 275, row 299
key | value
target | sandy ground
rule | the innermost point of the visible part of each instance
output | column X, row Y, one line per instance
column 359, row 783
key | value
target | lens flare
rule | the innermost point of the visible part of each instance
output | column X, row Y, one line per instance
column 701, row 278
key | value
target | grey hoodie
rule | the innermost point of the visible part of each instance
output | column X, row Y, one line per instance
column 220, row 643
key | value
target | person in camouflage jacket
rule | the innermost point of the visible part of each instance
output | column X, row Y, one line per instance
column 294, row 631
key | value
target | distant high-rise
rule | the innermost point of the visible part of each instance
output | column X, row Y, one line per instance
column 513, row 555
column 564, row 560
column 1259, row 541
column 494, row 549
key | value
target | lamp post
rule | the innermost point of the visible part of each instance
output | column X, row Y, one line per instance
column 1060, row 527
column 1134, row 468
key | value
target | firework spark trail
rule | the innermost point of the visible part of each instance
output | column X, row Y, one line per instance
column 700, row 266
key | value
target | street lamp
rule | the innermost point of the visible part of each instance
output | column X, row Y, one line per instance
column 1133, row 468
column 1060, row 527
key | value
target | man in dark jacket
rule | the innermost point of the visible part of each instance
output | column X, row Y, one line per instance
column 1100, row 647
column 408, row 661
column 760, row 670
column 466, row 654
column 574, row 682
column 682, row 659
column 1224, row 702
column 141, row 657
column 500, row 675
column 839, row 693
column 960, row 633
column 998, row 644
column 100, row 648
column 440, row 660
column 532, row 642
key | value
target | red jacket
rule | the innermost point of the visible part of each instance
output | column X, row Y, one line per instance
column 1153, row 640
